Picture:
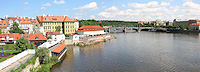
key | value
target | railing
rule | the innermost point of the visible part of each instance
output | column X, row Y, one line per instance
column 15, row 58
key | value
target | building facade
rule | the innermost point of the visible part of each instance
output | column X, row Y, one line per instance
column 91, row 30
column 51, row 22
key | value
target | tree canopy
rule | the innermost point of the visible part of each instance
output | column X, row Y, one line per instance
column 58, row 28
column 22, row 44
column 15, row 29
column 36, row 29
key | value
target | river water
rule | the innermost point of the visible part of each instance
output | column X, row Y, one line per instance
column 144, row 51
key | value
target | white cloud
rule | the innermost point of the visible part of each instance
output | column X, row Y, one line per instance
column 78, row 17
column 123, row 5
column 67, row 10
column 151, row 13
column 111, row 9
column 26, row 8
column 191, row 5
column 47, row 4
column 43, row 8
column 102, row 2
column 188, row 0
column 26, row 3
column 170, row 0
column 152, row 4
column 90, row 6
column 165, row 4
column 92, row 17
column 59, row 2
column 103, row 7
column 78, row 13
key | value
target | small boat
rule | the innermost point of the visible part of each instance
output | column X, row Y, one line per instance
column 116, row 30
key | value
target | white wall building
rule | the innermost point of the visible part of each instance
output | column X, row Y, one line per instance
column 56, row 36
column 91, row 30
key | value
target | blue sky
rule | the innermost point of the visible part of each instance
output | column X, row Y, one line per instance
column 129, row 10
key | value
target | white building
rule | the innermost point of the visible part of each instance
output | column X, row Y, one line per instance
column 56, row 36
column 91, row 30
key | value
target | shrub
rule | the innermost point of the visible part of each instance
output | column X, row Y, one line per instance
column 10, row 47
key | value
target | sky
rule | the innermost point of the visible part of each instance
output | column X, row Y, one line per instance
column 125, row 10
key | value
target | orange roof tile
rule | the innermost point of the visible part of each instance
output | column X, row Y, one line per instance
column 59, row 48
column 34, row 21
column 50, row 18
column 195, row 24
column 90, row 28
column 3, row 23
column 56, row 32
column 12, row 18
column 55, row 19
column 17, row 36
column 67, row 19
column 72, row 34
column 37, row 35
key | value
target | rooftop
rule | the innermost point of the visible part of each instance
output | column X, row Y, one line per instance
column 59, row 48
column 90, row 28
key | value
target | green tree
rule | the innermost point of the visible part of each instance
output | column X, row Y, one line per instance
column 1, row 30
column 58, row 28
column 194, row 28
column 197, row 28
column 182, row 26
column 43, row 54
column 188, row 28
column 22, row 44
column 36, row 29
column 15, row 29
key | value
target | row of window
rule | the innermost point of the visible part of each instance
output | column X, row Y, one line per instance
column 49, row 23
column 69, row 26
column 54, row 27
column 70, row 31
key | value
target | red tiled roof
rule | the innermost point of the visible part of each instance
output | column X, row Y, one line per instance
column 55, row 19
column 59, row 48
column 195, row 20
column 195, row 24
column 67, row 19
column 34, row 21
column 3, row 23
column 12, row 18
column 37, row 35
column 24, row 20
column 90, row 28
column 56, row 32
column 17, row 36
column 72, row 34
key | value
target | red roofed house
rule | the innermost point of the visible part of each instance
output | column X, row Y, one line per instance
column 4, row 26
column 91, row 30
column 60, row 50
column 56, row 35
column 50, row 23
column 37, row 38
column 194, row 25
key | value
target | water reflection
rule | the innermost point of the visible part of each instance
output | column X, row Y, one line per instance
column 144, row 51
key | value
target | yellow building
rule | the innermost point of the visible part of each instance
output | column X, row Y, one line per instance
column 51, row 22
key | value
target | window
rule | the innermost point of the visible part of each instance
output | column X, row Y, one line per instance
column 46, row 19
column 54, row 19
column 36, row 37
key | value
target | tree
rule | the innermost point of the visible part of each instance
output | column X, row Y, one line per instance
column 22, row 44
column 36, row 29
column 1, row 30
column 58, row 28
column 194, row 28
column 15, row 29
column 197, row 28
column 188, row 28
column 182, row 26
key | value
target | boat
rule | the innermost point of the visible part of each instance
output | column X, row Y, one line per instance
column 130, row 30
column 116, row 30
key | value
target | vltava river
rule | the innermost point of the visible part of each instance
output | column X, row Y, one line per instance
column 144, row 51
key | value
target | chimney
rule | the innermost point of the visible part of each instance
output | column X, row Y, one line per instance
column 32, row 18
column 43, row 15
column 15, row 16
column 64, row 16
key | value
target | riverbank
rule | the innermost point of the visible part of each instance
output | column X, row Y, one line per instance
column 95, row 40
